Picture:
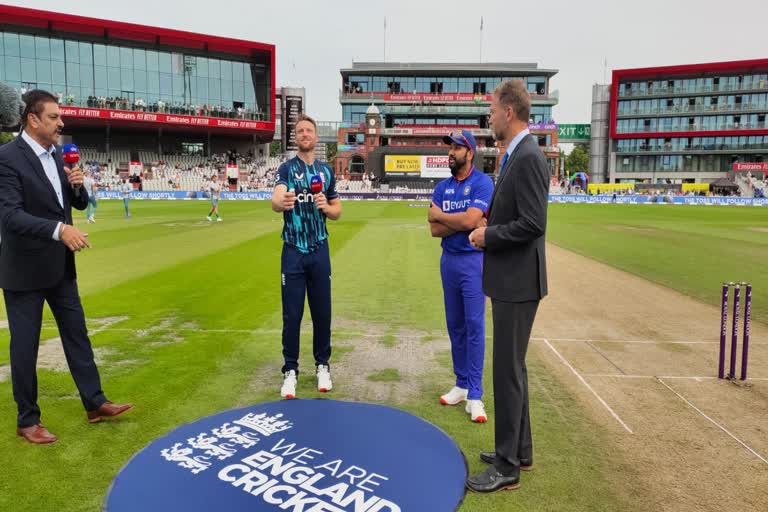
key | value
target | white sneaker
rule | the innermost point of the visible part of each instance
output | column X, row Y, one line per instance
column 454, row 396
column 324, row 383
column 209, row 218
column 288, row 391
column 219, row 219
column 476, row 410
column 93, row 219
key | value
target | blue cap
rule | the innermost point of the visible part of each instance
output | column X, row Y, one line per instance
column 463, row 138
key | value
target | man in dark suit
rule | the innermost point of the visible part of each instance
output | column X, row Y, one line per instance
column 37, row 263
column 515, row 278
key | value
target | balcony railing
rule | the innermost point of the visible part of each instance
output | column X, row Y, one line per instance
column 695, row 109
column 460, row 97
column 695, row 128
column 694, row 148
column 718, row 89
column 161, row 107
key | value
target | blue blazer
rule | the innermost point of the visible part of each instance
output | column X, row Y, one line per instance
column 30, row 259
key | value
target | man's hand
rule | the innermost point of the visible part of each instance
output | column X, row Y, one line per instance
column 289, row 200
column 434, row 213
column 477, row 238
column 321, row 202
column 73, row 238
column 483, row 222
column 74, row 176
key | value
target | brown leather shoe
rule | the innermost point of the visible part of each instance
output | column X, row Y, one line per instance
column 36, row 434
column 108, row 410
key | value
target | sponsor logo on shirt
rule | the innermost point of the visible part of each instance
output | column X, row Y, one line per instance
column 456, row 205
column 305, row 197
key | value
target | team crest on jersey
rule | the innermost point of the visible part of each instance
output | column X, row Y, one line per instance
column 299, row 176
column 466, row 190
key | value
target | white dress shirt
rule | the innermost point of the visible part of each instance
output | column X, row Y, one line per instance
column 48, row 162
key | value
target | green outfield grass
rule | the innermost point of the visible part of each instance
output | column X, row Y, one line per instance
column 177, row 278
column 693, row 249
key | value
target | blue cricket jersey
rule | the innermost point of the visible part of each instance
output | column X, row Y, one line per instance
column 454, row 196
column 304, row 226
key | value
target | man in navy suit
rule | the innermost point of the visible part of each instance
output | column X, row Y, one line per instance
column 37, row 263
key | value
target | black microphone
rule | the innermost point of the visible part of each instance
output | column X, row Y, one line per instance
column 11, row 107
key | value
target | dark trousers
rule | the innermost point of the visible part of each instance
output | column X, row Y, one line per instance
column 512, row 324
column 310, row 275
column 25, row 313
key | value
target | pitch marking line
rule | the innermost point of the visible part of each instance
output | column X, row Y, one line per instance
column 583, row 381
column 698, row 378
column 742, row 443
column 636, row 342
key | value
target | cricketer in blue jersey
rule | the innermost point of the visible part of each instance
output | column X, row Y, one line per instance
column 459, row 204
column 305, row 193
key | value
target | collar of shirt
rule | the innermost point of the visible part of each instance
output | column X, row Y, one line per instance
column 516, row 141
column 471, row 170
column 37, row 148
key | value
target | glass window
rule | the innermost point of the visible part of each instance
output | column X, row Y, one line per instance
column 139, row 59
column 238, row 68
column 153, row 82
column 113, row 78
column 152, row 61
column 450, row 85
column 250, row 92
column 58, row 73
column 379, row 84
column 100, row 77
column 86, row 78
column 165, row 62
column 57, row 50
column 113, row 56
column 42, row 48
column 226, row 70
column 12, row 69
column 226, row 91
column 140, row 81
column 202, row 67
column 126, row 79
column 71, row 51
column 27, row 45
column 99, row 54
column 166, row 84
column 11, row 44
column 178, row 87
column 86, row 53
column 214, row 69
column 126, row 58
column 202, row 89
column 214, row 90
column 238, row 90
column 28, row 72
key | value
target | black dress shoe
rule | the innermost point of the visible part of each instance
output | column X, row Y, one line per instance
column 490, row 458
column 491, row 481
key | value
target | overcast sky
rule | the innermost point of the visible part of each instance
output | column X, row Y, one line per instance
column 314, row 39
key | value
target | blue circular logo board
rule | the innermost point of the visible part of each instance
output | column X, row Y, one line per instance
column 296, row 456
